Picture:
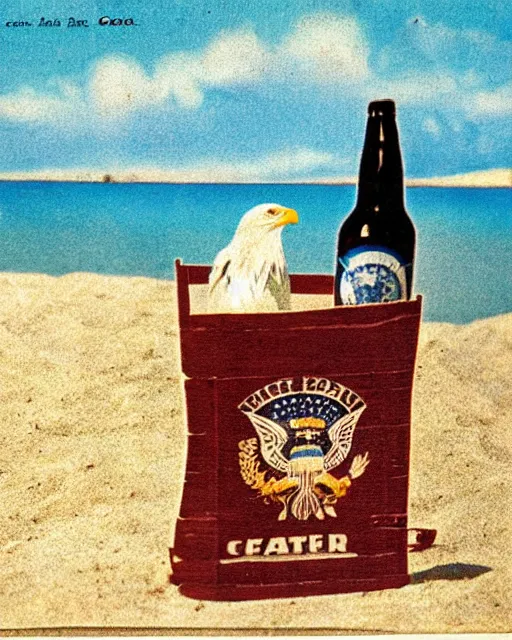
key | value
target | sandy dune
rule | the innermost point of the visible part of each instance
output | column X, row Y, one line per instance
column 91, row 460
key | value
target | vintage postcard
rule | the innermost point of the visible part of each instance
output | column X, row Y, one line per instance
column 255, row 316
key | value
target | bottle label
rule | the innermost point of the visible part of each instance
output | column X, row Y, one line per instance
column 372, row 274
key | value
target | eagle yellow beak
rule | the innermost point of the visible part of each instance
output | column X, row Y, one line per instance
column 288, row 216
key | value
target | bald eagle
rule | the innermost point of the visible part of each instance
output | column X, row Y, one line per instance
column 250, row 274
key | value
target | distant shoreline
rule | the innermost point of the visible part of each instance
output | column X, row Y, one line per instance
column 489, row 179
column 412, row 185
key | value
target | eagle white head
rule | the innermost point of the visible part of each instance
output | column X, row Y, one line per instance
column 250, row 274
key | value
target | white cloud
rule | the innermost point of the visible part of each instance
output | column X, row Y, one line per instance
column 176, row 76
column 325, row 47
column 26, row 105
column 321, row 49
column 330, row 46
column 234, row 57
column 495, row 103
column 120, row 84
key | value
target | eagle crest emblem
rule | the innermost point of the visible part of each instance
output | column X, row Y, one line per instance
column 304, row 431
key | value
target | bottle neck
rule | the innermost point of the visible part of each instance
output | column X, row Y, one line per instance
column 381, row 178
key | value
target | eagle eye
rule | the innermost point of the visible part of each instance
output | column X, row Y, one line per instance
column 272, row 211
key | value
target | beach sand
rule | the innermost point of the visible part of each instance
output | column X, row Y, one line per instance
column 92, row 457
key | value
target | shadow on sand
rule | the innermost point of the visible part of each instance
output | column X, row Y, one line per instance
column 454, row 571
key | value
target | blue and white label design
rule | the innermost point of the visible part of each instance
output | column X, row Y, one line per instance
column 372, row 274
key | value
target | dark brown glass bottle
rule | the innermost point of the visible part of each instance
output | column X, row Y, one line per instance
column 375, row 257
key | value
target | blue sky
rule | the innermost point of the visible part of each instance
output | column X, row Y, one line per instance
column 255, row 89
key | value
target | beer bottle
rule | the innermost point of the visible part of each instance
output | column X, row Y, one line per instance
column 374, row 262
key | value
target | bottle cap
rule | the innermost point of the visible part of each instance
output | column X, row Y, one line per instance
column 381, row 107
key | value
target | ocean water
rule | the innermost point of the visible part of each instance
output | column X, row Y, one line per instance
column 464, row 236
